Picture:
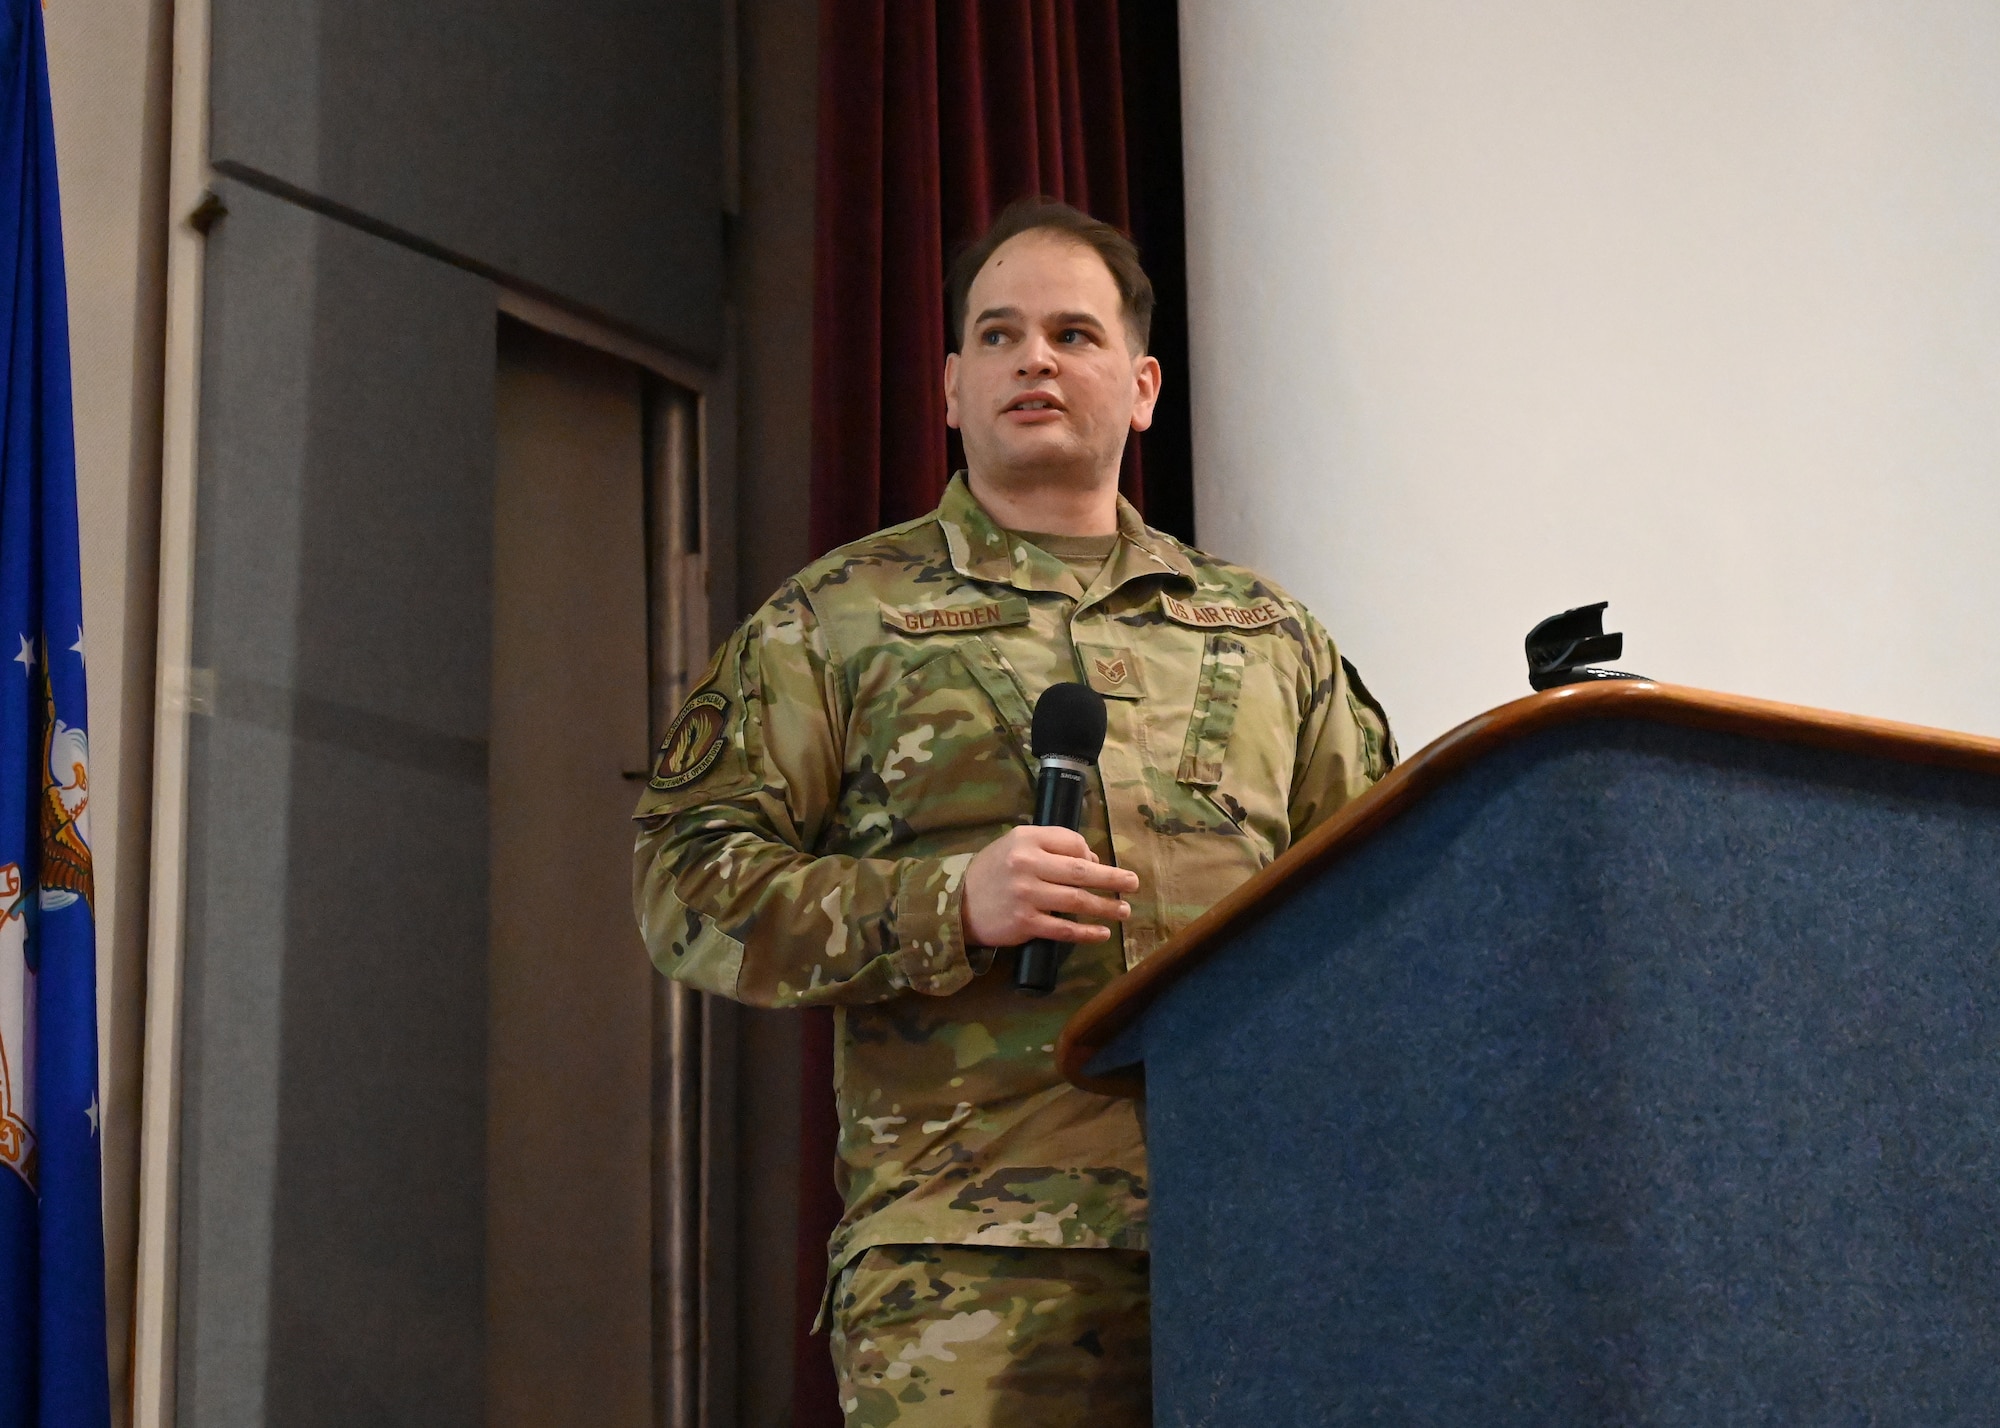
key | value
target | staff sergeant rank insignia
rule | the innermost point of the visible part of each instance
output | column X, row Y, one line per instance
column 693, row 743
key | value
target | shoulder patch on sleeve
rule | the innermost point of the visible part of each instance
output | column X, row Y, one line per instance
column 693, row 743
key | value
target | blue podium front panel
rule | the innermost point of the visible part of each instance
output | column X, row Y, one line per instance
column 1639, row 1076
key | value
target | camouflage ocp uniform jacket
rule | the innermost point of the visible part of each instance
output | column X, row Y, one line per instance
column 815, row 804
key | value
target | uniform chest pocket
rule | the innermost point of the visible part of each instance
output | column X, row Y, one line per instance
column 1217, row 696
column 936, row 747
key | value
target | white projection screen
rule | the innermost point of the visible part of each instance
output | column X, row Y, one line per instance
column 1499, row 309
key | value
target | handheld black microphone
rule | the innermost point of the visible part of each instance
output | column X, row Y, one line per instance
column 1068, row 736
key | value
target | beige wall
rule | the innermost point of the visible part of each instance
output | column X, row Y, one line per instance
column 569, row 1112
column 108, row 75
column 1503, row 308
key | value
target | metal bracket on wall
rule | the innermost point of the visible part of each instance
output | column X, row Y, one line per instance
column 207, row 213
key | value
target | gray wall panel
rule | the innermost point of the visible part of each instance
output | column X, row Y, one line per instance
column 258, row 351
column 378, row 1298
column 334, row 1120
column 574, row 149
column 397, row 550
column 237, row 814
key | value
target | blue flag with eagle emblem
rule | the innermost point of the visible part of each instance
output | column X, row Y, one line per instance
column 52, row 1350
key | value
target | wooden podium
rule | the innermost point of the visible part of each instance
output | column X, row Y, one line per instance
column 1631, row 1055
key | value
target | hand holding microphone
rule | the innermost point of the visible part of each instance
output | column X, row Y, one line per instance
column 1019, row 883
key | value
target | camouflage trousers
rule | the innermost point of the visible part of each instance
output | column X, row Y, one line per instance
column 965, row 1336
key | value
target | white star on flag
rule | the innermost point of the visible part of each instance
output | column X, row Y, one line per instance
column 93, row 1113
column 77, row 648
column 26, row 658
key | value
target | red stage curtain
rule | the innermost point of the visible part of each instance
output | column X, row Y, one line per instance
column 933, row 116
column 928, row 126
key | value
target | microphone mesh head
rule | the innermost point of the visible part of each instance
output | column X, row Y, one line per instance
column 1069, row 721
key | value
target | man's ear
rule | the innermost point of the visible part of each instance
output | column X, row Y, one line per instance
column 1146, row 372
column 951, row 390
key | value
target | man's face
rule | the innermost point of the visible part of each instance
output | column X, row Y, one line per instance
column 1046, row 382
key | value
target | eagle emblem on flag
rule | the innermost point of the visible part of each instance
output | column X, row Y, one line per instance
column 17, row 1020
column 65, row 809
column 64, row 878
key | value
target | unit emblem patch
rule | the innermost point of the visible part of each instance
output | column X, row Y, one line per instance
column 694, row 742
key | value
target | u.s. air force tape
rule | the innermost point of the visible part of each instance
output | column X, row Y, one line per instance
column 1238, row 617
column 694, row 741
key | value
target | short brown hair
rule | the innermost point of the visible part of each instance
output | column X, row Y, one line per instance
column 1033, row 215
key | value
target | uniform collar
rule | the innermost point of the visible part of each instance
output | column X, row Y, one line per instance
column 982, row 550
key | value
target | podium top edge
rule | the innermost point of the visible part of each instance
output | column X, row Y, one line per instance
column 1116, row 1007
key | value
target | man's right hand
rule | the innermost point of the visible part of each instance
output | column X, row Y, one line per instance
column 1019, row 882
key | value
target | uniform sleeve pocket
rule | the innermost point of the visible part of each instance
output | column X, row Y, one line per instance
column 1214, row 718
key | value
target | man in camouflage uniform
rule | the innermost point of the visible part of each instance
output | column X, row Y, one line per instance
column 837, row 816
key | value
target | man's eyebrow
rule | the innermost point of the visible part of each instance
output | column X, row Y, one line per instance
column 1060, row 319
